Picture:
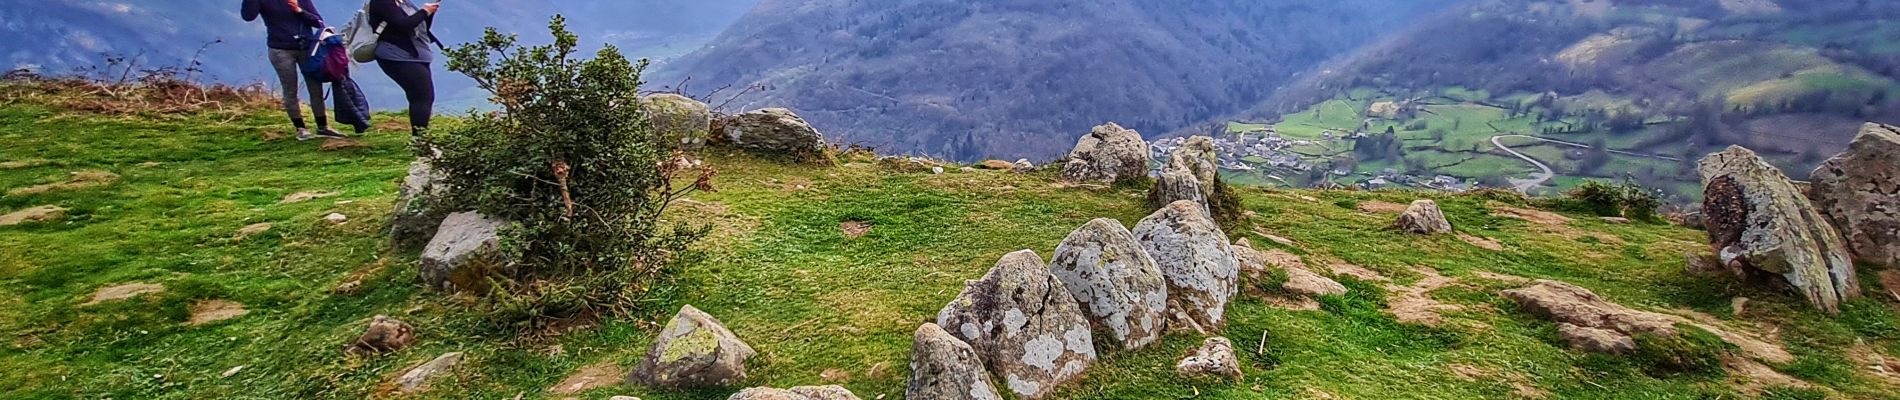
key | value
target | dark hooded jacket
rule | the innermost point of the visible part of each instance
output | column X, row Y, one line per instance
column 285, row 29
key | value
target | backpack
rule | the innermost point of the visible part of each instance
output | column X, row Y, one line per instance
column 359, row 37
column 329, row 62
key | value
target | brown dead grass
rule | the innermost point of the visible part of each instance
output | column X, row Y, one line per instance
column 598, row 375
column 209, row 311
column 1381, row 207
column 1483, row 243
column 122, row 292
column 35, row 214
column 78, row 180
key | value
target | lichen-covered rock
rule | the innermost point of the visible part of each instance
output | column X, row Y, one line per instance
column 417, row 379
column 827, row 392
column 1196, row 156
column 465, row 248
column 1197, row 262
column 693, row 351
column 1596, row 340
column 776, row 131
column 1215, row 357
column 1757, row 218
column 1179, row 184
column 414, row 221
column 1859, row 192
column 1023, row 324
column 685, row 121
column 944, row 367
column 1117, row 284
column 1108, row 154
column 1423, row 217
column 384, row 335
column 1253, row 263
column 1306, row 283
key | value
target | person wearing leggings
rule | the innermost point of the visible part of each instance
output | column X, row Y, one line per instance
column 403, row 53
column 290, row 27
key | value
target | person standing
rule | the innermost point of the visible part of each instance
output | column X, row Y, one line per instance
column 290, row 30
column 403, row 52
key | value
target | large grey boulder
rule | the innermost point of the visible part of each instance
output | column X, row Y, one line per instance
column 944, row 367
column 1760, row 220
column 827, row 392
column 1117, row 284
column 693, row 351
column 1423, row 217
column 1859, row 192
column 414, row 221
column 463, row 252
column 1197, row 262
column 687, row 122
column 776, row 131
column 1021, row 321
column 1108, row 154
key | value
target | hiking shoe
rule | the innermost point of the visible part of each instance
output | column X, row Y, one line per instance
column 330, row 134
column 304, row 134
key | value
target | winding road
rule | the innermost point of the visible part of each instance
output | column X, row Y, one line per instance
column 1538, row 179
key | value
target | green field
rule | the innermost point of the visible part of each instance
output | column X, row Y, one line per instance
column 820, row 307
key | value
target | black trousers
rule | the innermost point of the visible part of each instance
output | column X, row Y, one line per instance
column 418, row 84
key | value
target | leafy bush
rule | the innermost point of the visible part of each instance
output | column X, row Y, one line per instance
column 573, row 162
column 1625, row 199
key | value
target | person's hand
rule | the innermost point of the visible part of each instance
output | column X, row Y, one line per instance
column 430, row 8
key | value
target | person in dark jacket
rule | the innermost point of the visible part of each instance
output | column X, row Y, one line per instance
column 403, row 52
column 291, row 27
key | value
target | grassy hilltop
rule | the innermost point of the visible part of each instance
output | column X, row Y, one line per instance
column 161, row 199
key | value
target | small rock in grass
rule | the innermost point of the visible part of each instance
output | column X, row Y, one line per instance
column 417, row 378
column 936, row 170
column 384, row 335
column 336, row 218
column 694, row 351
column 996, row 165
column 1423, row 217
column 233, row 371
column 252, row 230
column 827, row 392
column 300, row 197
column 1306, row 283
column 1215, row 357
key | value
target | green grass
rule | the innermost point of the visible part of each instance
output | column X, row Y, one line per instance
column 781, row 275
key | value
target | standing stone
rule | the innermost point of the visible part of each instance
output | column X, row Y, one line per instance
column 1859, row 192
column 1020, row 321
column 1178, row 184
column 685, row 121
column 693, row 351
column 1757, row 218
column 1197, row 262
column 1196, row 156
column 1108, row 154
column 462, row 252
column 414, row 221
column 943, row 367
column 777, row 131
column 1215, row 357
column 827, row 392
column 1423, row 217
column 1114, row 280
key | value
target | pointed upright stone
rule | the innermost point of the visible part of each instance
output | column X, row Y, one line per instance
column 693, row 351
column 1021, row 322
column 1859, row 191
column 944, row 367
column 1113, row 279
column 1196, row 260
column 1758, row 218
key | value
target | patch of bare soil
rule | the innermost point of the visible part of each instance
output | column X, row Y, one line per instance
column 78, row 180
column 854, row 229
column 1280, row 259
column 300, row 197
column 1889, row 279
column 1521, row 386
column 1536, row 216
column 122, row 292
column 252, row 230
column 1358, row 272
column 1414, row 304
column 727, row 225
column 1283, row 241
column 600, row 375
column 1381, row 207
column 1752, row 377
column 1506, row 278
column 209, row 311
column 17, row 164
column 341, row 144
column 1483, row 243
column 1875, row 362
column 35, row 214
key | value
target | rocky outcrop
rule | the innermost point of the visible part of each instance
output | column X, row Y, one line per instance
column 944, row 367
column 1108, row 154
column 464, row 250
column 693, row 351
column 685, row 121
column 1178, row 184
column 827, row 392
column 1859, row 192
column 1306, row 283
column 1423, row 217
column 1117, row 284
column 1196, row 156
column 384, row 335
column 1253, row 263
column 1197, row 262
column 1020, row 321
column 1759, row 219
column 776, row 131
column 1215, row 357
column 1587, row 321
column 414, row 221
